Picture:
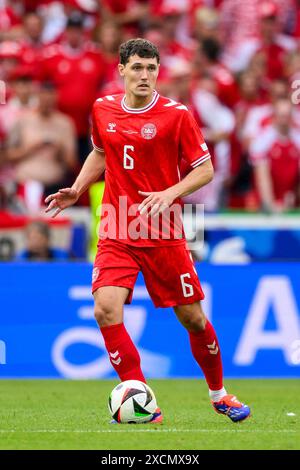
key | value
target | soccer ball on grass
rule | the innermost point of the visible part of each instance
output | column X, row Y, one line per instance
column 132, row 401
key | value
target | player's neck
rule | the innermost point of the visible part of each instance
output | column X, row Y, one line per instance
column 133, row 101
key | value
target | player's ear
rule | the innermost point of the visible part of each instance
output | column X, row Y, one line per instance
column 121, row 68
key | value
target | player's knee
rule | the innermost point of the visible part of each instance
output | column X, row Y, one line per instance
column 105, row 314
column 195, row 323
column 199, row 323
column 192, row 318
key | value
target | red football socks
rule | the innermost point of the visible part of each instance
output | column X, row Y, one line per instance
column 123, row 354
column 206, row 351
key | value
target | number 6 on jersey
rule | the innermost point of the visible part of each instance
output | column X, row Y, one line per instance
column 128, row 161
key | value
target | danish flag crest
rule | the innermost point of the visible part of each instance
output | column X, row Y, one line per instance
column 148, row 131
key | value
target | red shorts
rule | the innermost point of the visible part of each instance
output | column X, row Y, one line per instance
column 169, row 272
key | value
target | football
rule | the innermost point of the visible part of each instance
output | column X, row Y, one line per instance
column 132, row 401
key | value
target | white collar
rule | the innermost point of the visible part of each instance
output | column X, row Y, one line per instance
column 140, row 110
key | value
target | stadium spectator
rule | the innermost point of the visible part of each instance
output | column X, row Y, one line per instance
column 33, row 29
column 176, row 49
column 32, row 42
column 76, row 67
column 56, row 16
column 240, row 182
column 7, row 250
column 253, row 113
column 10, row 58
column 155, row 33
column 270, row 43
column 179, row 83
column 250, row 95
column 127, row 13
column 275, row 154
column 207, row 24
column 217, row 123
column 10, row 20
column 42, row 148
column 292, row 66
column 38, row 244
column 177, row 55
column 109, row 36
column 22, row 98
column 260, row 115
column 209, row 62
column 240, row 23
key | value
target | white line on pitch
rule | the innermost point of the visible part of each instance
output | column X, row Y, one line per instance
column 82, row 431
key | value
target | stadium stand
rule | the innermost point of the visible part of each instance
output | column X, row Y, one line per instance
column 232, row 63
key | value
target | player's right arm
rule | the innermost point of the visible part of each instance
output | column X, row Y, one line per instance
column 92, row 169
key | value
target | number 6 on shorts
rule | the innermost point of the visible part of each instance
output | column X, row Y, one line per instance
column 187, row 289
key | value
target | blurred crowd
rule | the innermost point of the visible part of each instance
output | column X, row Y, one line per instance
column 235, row 64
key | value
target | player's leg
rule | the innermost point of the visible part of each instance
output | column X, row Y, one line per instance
column 204, row 345
column 123, row 354
column 114, row 276
column 206, row 350
column 172, row 281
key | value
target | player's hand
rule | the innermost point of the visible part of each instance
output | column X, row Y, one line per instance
column 59, row 201
column 157, row 202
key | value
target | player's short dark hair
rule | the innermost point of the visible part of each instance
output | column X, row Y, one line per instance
column 140, row 47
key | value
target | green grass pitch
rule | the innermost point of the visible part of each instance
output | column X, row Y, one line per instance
column 45, row 414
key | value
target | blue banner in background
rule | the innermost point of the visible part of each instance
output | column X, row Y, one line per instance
column 47, row 327
column 247, row 245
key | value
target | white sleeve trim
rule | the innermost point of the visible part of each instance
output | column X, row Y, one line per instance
column 200, row 160
column 95, row 146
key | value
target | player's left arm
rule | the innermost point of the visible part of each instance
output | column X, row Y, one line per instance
column 160, row 200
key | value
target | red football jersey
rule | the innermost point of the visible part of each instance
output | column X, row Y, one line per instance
column 143, row 149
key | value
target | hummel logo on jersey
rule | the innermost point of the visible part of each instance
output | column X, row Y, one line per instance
column 111, row 127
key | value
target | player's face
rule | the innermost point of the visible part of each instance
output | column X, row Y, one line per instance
column 140, row 75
